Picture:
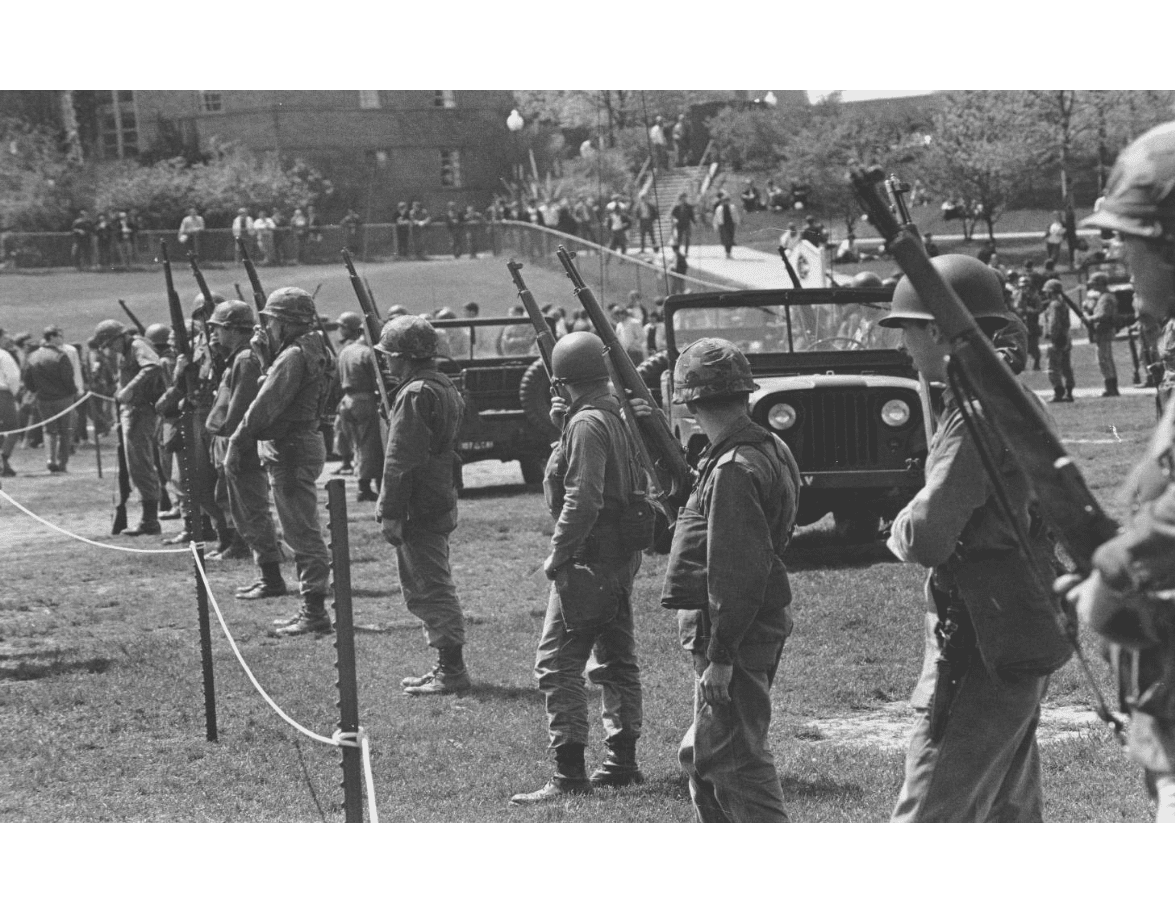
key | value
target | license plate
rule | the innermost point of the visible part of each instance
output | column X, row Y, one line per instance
column 475, row 446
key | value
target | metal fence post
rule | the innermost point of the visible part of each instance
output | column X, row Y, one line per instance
column 348, row 702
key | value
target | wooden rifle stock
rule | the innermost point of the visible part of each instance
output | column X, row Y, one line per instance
column 372, row 326
column 131, row 316
column 174, row 308
column 668, row 461
column 1064, row 498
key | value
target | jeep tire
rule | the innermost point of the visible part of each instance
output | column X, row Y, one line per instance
column 650, row 371
column 857, row 525
column 534, row 392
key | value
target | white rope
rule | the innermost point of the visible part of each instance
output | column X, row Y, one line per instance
column 106, row 398
column 338, row 739
column 87, row 541
column 33, row 427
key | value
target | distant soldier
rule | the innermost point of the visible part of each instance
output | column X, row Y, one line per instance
column 232, row 324
column 591, row 479
column 417, row 505
column 1055, row 328
column 141, row 383
column 168, row 437
column 285, row 417
column 359, row 408
column 1027, row 305
column 727, row 581
column 49, row 376
column 1101, row 309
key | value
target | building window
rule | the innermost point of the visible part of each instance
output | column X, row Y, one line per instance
column 119, row 126
column 450, row 168
column 211, row 103
column 444, row 99
column 368, row 98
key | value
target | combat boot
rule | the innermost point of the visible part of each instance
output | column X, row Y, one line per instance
column 7, row 471
column 269, row 585
column 448, row 676
column 1058, row 394
column 1111, row 389
column 311, row 619
column 570, row 778
column 174, row 513
column 148, row 522
column 1068, row 394
column 230, row 546
column 345, row 469
column 208, row 530
column 619, row 767
column 365, row 492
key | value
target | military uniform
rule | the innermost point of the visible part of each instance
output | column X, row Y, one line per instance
column 359, row 410
column 1101, row 309
column 48, row 375
column 1055, row 320
column 141, row 378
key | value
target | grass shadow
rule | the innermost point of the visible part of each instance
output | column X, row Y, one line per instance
column 820, row 787
column 360, row 592
column 824, row 551
column 53, row 667
column 501, row 693
column 485, row 492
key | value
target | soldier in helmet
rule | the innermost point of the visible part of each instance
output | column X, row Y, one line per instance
column 232, row 325
column 359, row 408
column 284, row 417
column 141, row 382
column 990, row 633
column 592, row 478
column 1101, row 309
column 161, row 338
column 1127, row 597
column 417, row 505
column 727, row 581
column 1055, row 328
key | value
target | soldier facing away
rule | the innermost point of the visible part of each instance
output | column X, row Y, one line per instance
column 359, row 407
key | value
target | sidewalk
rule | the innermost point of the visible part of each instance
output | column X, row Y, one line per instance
column 749, row 268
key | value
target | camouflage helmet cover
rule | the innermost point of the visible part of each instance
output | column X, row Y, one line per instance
column 291, row 304
column 711, row 367
column 233, row 314
column 977, row 285
column 1140, row 194
column 407, row 336
column 107, row 331
column 198, row 301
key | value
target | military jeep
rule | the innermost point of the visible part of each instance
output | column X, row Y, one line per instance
column 833, row 385
column 495, row 364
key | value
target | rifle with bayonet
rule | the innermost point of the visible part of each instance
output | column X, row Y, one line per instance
column 542, row 329
column 667, row 466
column 138, row 324
column 372, row 327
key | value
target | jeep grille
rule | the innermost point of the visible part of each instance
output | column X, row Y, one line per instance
column 836, row 429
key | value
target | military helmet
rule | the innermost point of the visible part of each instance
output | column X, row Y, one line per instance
column 351, row 321
column 445, row 313
column 396, row 311
column 977, row 285
column 107, row 331
column 291, row 304
column 157, row 334
column 1098, row 280
column 866, row 280
column 709, row 368
column 407, row 336
column 579, row 358
column 1140, row 194
column 198, row 301
column 233, row 314
column 1053, row 286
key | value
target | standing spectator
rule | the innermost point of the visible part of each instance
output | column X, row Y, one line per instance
column 790, row 239
column 49, row 376
column 420, row 221
column 9, row 417
column 630, row 333
column 104, row 238
column 455, row 223
column 725, row 221
column 680, row 268
column 1056, row 329
column 191, row 228
column 1071, row 240
column 681, row 141
column 752, row 201
column 646, row 215
column 125, row 232
column 242, row 230
column 81, row 231
column 280, row 233
column 351, row 223
column 1101, row 309
column 657, row 141
column 564, row 220
column 263, row 229
column 1054, row 236
column 300, row 226
column 403, row 222
column 313, row 233
column 516, row 339
column 584, row 219
column 683, row 218
column 473, row 231
column 616, row 214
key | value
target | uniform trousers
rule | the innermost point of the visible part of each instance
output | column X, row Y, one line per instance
column 1105, row 359
column 731, row 770
column 343, row 447
column 60, row 431
column 248, row 503
column 562, row 661
column 294, row 467
column 138, row 434
column 9, row 421
column 986, row 766
column 359, row 416
column 1060, row 370
column 426, row 582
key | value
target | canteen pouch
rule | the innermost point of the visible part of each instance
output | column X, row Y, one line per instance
column 589, row 596
column 636, row 526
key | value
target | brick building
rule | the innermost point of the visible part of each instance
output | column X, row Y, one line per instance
column 376, row 147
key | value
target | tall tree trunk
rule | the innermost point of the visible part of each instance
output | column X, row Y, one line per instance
column 69, row 122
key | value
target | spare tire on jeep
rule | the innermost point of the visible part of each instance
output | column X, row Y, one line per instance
column 534, row 391
column 650, row 371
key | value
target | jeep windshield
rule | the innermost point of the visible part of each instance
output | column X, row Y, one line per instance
column 486, row 337
column 788, row 327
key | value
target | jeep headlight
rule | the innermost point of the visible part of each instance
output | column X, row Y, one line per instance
column 895, row 413
column 781, row 416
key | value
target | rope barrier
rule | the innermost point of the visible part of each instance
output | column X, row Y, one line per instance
column 338, row 739
column 106, row 398
column 47, row 421
column 74, row 535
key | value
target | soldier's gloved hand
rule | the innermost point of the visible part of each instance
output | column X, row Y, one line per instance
column 393, row 531
column 558, row 410
column 181, row 364
column 641, row 408
column 715, row 683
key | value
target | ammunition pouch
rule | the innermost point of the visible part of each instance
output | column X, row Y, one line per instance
column 589, row 595
column 636, row 526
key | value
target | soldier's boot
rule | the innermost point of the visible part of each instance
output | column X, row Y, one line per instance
column 570, row 778
column 269, row 585
column 174, row 513
column 345, row 469
column 182, row 538
column 619, row 767
column 311, row 619
column 148, row 521
column 231, row 546
column 1058, row 394
column 1068, row 394
column 208, row 530
column 7, row 471
column 448, row 676
column 1111, row 389
column 365, row 492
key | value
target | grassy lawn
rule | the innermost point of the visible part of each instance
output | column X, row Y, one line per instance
column 100, row 684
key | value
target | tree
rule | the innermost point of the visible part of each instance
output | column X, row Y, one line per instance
column 979, row 154
column 749, row 137
column 34, row 178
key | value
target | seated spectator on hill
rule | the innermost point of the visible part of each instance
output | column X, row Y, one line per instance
column 776, row 197
column 752, row 201
column 814, row 232
column 846, row 251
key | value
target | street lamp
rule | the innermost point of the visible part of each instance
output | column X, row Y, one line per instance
column 515, row 123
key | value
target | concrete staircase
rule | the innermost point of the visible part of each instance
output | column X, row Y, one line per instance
column 668, row 185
